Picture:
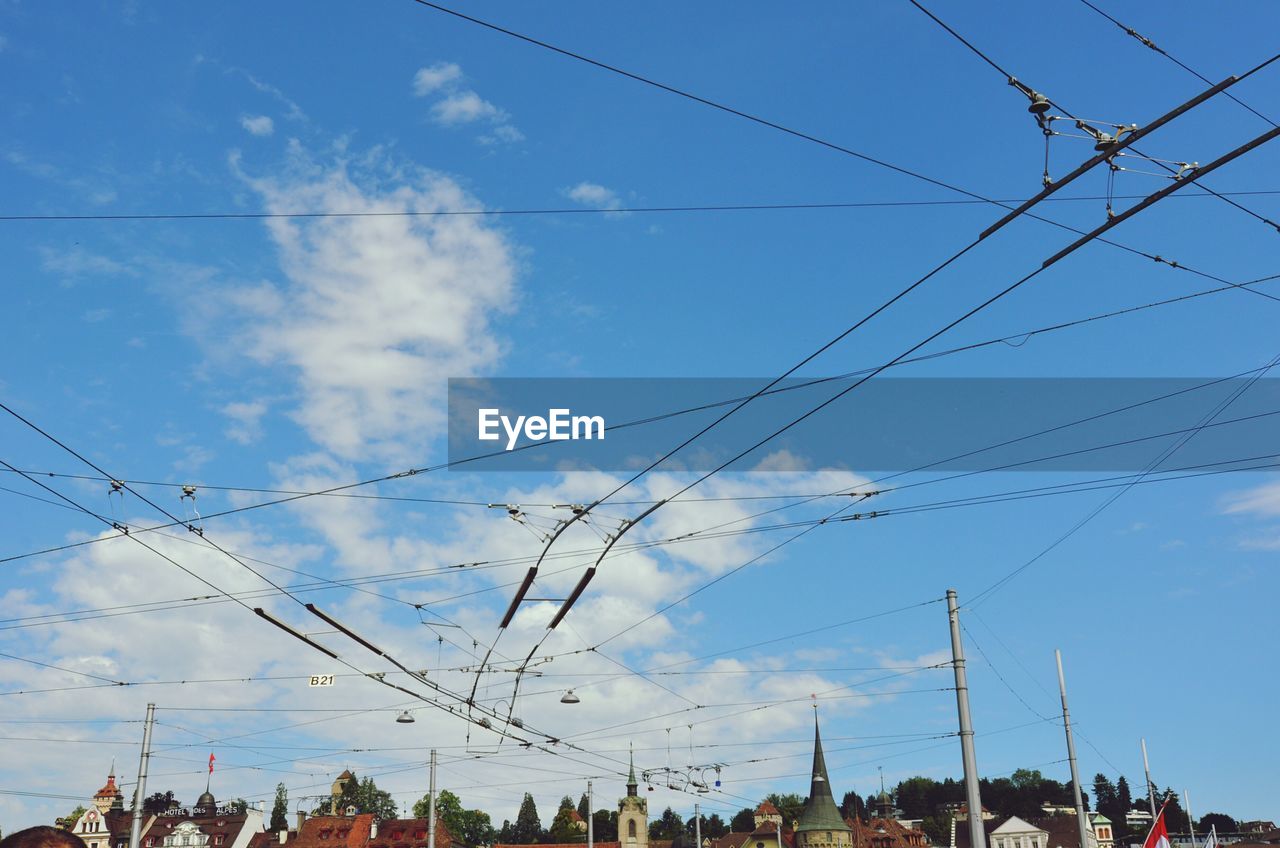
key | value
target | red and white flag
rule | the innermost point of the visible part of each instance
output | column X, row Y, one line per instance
column 211, row 759
column 1159, row 835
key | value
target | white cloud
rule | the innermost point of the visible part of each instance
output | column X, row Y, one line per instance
column 246, row 418
column 593, row 195
column 77, row 262
column 376, row 312
column 464, row 107
column 1267, row 541
column 1260, row 501
column 457, row 105
column 502, row 134
column 258, row 124
column 437, row 76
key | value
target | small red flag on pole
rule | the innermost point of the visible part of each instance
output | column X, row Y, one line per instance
column 1159, row 835
column 211, row 759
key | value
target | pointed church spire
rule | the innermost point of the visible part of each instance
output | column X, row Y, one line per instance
column 820, row 812
column 821, row 784
column 632, row 786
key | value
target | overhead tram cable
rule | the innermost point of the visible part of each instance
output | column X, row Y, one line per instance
column 611, row 210
column 622, row 530
column 1061, row 254
column 341, row 490
column 710, row 532
column 1106, row 143
column 1147, row 42
column 258, row 611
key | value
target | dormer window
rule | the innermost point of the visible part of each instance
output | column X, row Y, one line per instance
column 420, row 833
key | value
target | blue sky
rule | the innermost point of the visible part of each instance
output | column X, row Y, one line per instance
column 302, row 353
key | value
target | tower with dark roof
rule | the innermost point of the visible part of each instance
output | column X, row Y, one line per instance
column 633, row 814
column 821, row 825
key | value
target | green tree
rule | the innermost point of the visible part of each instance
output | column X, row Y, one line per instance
column 475, row 828
column 691, row 827
column 912, row 796
column 1105, row 799
column 605, row 823
column 472, row 827
column 505, row 833
column 937, row 828
column 158, row 802
column 72, row 817
column 448, row 809
column 715, row 827
column 371, row 799
column 528, row 827
column 790, row 805
column 668, row 826
column 348, row 798
column 743, row 821
column 363, row 796
column 1175, row 818
column 563, row 828
column 1223, row 822
column 584, row 807
column 1024, row 779
column 1124, row 803
column 851, row 806
column 280, row 810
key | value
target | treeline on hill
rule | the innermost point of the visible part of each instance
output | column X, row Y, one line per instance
column 1021, row 794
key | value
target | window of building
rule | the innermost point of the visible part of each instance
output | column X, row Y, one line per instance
column 631, row 831
column 325, row 834
column 397, row 835
column 150, row 843
column 420, row 833
column 219, row 839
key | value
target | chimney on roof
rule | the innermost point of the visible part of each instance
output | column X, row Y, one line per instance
column 284, row 835
column 302, row 816
column 373, row 828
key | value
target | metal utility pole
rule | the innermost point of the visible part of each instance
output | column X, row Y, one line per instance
column 591, row 818
column 1191, row 820
column 431, row 809
column 697, row 827
column 1151, row 790
column 1082, row 821
column 140, row 791
column 977, row 836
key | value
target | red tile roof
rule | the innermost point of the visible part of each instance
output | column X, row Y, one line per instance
column 228, row 827
column 884, row 833
column 412, row 834
column 767, row 809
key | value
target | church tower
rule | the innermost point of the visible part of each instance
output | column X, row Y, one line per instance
column 633, row 814
column 821, row 825
column 109, row 797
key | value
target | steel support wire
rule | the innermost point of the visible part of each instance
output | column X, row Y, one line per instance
column 1057, row 257
column 258, row 611
column 1114, row 147
column 532, row 573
